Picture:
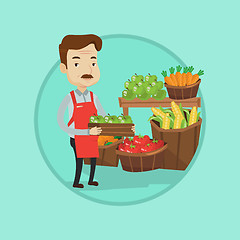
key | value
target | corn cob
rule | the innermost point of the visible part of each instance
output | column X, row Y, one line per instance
column 158, row 112
column 193, row 116
column 166, row 122
column 177, row 122
column 176, row 110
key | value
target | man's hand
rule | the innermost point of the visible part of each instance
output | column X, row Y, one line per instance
column 95, row 131
column 133, row 129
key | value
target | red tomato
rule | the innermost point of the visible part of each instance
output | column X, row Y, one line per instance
column 147, row 139
column 138, row 140
column 132, row 149
column 147, row 148
column 121, row 147
column 158, row 144
column 128, row 142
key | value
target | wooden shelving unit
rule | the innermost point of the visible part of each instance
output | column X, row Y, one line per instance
column 151, row 102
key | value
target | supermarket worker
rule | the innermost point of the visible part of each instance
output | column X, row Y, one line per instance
column 78, row 54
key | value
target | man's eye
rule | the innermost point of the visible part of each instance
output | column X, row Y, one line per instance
column 94, row 64
column 76, row 64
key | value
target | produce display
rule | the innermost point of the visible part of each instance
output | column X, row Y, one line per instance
column 143, row 88
column 140, row 144
column 175, row 118
column 185, row 78
column 107, row 140
column 110, row 119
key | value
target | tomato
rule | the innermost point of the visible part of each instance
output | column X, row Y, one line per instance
column 147, row 139
column 138, row 140
column 147, row 148
column 128, row 141
column 157, row 144
column 160, row 143
column 121, row 147
column 132, row 149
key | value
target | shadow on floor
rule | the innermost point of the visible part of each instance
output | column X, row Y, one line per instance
column 116, row 178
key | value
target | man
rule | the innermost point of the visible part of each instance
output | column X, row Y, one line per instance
column 78, row 54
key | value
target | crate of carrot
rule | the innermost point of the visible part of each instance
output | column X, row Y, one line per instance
column 107, row 151
column 182, row 85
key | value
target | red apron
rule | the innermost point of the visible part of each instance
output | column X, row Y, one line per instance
column 86, row 145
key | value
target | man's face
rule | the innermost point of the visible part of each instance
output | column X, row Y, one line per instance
column 82, row 68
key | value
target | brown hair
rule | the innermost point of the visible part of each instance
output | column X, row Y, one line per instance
column 77, row 42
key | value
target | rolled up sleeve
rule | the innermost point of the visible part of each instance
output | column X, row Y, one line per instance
column 60, row 119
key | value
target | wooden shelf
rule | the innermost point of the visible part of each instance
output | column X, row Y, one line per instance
column 151, row 102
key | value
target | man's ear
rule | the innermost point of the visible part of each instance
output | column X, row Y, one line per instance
column 63, row 68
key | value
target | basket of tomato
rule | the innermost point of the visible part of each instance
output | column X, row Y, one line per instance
column 141, row 154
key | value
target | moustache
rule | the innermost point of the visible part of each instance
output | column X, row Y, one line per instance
column 87, row 76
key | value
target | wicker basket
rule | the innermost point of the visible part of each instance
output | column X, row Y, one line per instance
column 141, row 162
column 182, row 144
column 107, row 155
column 184, row 92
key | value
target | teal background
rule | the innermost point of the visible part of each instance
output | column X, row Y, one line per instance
column 35, row 205
column 117, row 187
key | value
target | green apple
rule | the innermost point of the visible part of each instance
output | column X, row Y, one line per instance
column 145, row 84
column 122, row 120
column 101, row 119
column 113, row 119
column 128, row 119
column 120, row 117
column 140, row 83
column 106, row 118
column 140, row 90
column 160, row 95
column 151, row 89
column 159, row 85
column 145, row 96
column 137, row 78
column 129, row 85
column 128, row 94
column 150, row 78
column 92, row 118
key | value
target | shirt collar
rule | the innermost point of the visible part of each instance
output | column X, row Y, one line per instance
column 80, row 93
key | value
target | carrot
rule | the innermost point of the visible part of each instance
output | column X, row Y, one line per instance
column 189, row 75
column 179, row 75
column 195, row 77
column 184, row 76
column 167, row 79
column 172, row 76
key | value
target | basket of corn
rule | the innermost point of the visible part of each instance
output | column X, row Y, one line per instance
column 107, row 154
column 180, row 128
column 182, row 85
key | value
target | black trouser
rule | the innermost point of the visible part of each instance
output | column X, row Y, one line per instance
column 79, row 163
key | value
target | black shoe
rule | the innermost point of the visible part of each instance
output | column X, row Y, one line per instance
column 78, row 185
column 94, row 183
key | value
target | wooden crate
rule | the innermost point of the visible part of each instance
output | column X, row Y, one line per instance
column 182, row 144
column 107, row 155
column 114, row 129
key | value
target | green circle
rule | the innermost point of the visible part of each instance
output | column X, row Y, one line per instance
column 123, row 55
